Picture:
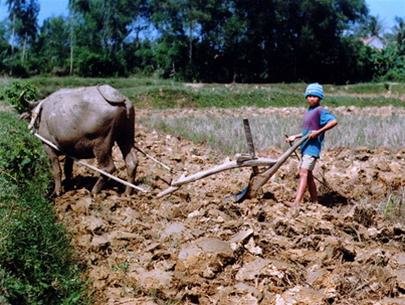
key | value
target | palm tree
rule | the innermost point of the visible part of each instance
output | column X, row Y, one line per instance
column 24, row 22
column 399, row 34
column 374, row 26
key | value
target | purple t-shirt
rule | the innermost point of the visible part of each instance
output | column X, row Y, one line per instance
column 314, row 119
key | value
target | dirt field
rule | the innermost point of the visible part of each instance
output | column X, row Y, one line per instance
column 197, row 246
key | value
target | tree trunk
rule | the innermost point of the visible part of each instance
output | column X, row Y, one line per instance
column 190, row 45
column 24, row 48
column 12, row 35
column 71, row 46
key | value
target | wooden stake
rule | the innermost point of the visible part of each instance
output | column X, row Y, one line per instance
column 249, row 140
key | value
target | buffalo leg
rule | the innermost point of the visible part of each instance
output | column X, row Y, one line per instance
column 106, row 163
column 131, row 163
column 68, row 169
column 56, row 170
column 125, row 141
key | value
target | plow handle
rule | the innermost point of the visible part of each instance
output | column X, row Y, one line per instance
column 258, row 181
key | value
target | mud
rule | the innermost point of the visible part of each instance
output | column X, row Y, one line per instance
column 197, row 246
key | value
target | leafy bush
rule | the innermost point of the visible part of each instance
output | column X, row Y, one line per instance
column 36, row 265
column 19, row 93
column 21, row 158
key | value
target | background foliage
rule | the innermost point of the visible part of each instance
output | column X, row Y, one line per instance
column 211, row 41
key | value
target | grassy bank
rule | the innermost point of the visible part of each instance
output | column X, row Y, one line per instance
column 157, row 93
column 36, row 263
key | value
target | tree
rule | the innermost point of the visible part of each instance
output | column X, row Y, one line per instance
column 53, row 45
column 204, row 40
column 245, row 41
column 372, row 27
column 399, row 35
column 23, row 15
column 104, row 27
column 4, row 47
column 176, row 22
column 389, row 64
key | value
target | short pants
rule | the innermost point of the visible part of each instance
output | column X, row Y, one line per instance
column 308, row 162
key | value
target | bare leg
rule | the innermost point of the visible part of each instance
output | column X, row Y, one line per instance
column 312, row 187
column 302, row 185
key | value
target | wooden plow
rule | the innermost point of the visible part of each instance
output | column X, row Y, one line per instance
column 257, row 179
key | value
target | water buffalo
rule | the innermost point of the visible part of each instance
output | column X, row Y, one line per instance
column 85, row 123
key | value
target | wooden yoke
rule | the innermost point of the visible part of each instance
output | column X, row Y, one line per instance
column 257, row 181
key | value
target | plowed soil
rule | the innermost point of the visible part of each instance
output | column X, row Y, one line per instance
column 197, row 246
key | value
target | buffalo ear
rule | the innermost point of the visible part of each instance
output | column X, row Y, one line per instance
column 32, row 104
column 26, row 115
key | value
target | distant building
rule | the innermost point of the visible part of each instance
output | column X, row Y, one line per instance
column 374, row 42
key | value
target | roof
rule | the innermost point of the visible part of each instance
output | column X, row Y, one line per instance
column 374, row 42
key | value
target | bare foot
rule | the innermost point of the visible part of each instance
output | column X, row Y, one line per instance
column 291, row 204
column 294, row 210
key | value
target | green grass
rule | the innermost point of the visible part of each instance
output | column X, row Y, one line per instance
column 393, row 207
column 157, row 93
column 372, row 88
column 36, row 261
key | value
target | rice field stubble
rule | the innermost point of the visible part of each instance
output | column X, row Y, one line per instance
column 222, row 129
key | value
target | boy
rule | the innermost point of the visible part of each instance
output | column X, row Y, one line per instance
column 316, row 121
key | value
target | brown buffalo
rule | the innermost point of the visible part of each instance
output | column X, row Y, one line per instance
column 85, row 123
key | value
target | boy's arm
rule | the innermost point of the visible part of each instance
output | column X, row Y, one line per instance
column 314, row 133
column 293, row 137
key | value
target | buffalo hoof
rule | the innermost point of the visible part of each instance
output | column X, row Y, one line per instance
column 129, row 191
column 96, row 189
column 53, row 194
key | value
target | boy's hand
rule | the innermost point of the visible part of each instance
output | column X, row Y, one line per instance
column 313, row 134
column 290, row 138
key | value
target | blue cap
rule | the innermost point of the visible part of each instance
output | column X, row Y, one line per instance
column 314, row 89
